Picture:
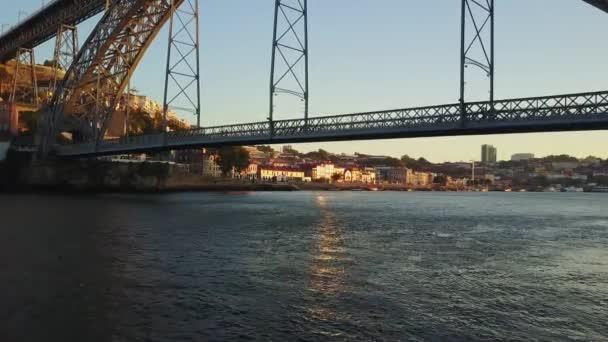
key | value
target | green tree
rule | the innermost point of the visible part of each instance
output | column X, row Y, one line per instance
column 408, row 161
column 292, row 151
column 233, row 157
column 320, row 155
column 560, row 158
column 415, row 164
column 265, row 149
column 441, row 179
column 336, row 177
column 50, row 63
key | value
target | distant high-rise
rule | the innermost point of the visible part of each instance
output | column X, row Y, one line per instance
column 522, row 156
column 488, row 154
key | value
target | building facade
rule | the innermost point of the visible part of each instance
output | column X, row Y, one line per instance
column 326, row 172
column 488, row 154
column 210, row 166
column 279, row 174
column 522, row 156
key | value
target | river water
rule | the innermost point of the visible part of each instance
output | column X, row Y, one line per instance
column 304, row 266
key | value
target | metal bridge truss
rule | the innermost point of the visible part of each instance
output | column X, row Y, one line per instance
column 477, row 51
column 94, row 84
column 24, row 88
column 182, row 76
column 66, row 50
column 289, row 52
column 42, row 25
column 540, row 114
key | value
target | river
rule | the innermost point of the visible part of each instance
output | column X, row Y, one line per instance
column 304, row 266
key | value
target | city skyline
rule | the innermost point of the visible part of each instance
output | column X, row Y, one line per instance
column 396, row 61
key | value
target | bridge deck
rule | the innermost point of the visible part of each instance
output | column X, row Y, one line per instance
column 584, row 111
column 43, row 24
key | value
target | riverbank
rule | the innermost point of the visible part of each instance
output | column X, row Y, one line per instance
column 20, row 174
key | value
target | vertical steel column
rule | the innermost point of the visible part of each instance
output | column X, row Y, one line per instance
column 198, row 69
column 478, row 13
column 306, row 93
column 127, row 109
column 168, row 67
column 491, row 4
column 25, row 88
column 183, row 62
column 98, row 99
column 462, row 59
column 292, row 49
column 272, row 62
column 66, row 48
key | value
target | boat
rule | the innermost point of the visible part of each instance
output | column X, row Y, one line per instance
column 572, row 189
column 599, row 189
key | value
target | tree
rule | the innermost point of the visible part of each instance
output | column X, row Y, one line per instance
column 336, row 177
column 292, row 151
column 265, row 149
column 440, row 179
column 388, row 161
column 408, row 161
column 320, row 155
column 50, row 63
column 415, row 164
column 233, row 157
column 560, row 158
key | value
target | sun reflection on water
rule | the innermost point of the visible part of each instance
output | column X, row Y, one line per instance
column 327, row 271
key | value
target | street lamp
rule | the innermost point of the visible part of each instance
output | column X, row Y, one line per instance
column 473, row 171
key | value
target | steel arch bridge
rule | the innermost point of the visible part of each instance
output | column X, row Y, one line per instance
column 92, row 88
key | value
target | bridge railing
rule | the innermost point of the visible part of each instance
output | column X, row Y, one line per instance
column 548, row 108
column 412, row 117
column 247, row 129
column 539, row 108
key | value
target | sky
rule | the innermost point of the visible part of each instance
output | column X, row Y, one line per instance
column 384, row 54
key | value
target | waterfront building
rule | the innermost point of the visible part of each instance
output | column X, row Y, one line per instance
column 488, row 154
column 279, row 174
column 394, row 175
column 560, row 166
column 210, row 166
column 326, row 172
column 522, row 156
column 192, row 158
column 251, row 172
column 368, row 176
column 352, row 175
column 422, row 179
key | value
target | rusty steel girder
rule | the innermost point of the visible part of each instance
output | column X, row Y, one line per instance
column 94, row 84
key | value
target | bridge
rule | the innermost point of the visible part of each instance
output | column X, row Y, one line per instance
column 98, row 74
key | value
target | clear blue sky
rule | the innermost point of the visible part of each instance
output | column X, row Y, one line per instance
column 384, row 54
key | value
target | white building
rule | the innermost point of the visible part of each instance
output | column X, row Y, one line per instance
column 522, row 156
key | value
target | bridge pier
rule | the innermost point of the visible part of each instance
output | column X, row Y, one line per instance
column 24, row 89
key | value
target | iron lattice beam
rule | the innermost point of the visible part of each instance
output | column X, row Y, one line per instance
column 182, row 74
column 66, row 50
column 96, row 81
column 477, row 27
column 289, row 51
column 584, row 111
column 25, row 83
column 42, row 25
